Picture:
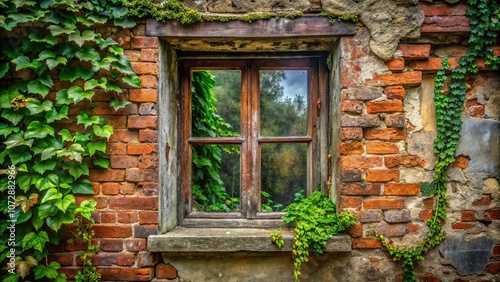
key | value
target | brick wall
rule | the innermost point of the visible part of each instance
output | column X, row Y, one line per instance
column 381, row 166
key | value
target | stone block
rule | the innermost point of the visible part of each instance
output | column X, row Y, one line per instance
column 397, row 216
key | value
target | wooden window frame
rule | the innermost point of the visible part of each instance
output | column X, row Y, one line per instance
column 250, row 140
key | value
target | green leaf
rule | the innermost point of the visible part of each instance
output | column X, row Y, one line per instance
column 86, row 208
column 13, row 116
column 49, row 39
column 77, row 94
column 22, row 62
column 132, row 80
column 124, row 22
column 87, row 35
column 35, row 241
column 118, row 104
column 4, row 68
column 62, row 98
column 15, row 140
column 93, row 83
column 48, row 153
column 43, row 166
column 100, row 145
column 52, row 63
column 123, row 65
column 116, row 50
column 53, row 115
column 104, row 131
column 63, row 204
column 87, row 120
column 82, row 186
column 42, row 271
column 6, row 130
column 66, row 135
column 76, row 169
column 51, row 194
column 82, row 137
column 46, row 54
column 36, row 87
column 50, row 181
column 75, row 152
column 35, row 107
column 88, row 53
column 38, row 130
column 101, row 161
column 108, row 42
column 55, row 222
column 428, row 189
column 56, row 30
column 84, row 21
column 114, row 87
column 25, row 180
column 46, row 210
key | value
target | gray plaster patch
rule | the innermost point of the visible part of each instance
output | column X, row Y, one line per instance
column 480, row 141
column 467, row 256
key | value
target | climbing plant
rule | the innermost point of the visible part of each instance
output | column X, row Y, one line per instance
column 484, row 18
column 53, row 60
column 316, row 220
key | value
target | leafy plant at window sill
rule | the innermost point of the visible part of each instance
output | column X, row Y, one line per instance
column 316, row 221
column 484, row 18
column 49, row 163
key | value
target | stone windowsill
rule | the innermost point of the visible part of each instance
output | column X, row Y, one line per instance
column 231, row 240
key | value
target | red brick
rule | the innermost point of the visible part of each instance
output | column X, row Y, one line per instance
column 127, row 217
column 360, row 162
column 428, row 203
column 166, row 271
column 149, row 81
column 381, row 148
column 395, row 92
column 142, row 148
column 461, row 225
column 384, row 204
column 97, row 188
column 445, row 24
column 123, row 161
column 112, row 231
column 351, row 106
column 351, row 148
column 351, row 175
column 359, row 189
column 355, row 230
column 476, row 111
column 145, row 68
column 117, row 122
column 401, row 189
column 148, row 161
column 133, row 203
column 406, row 161
column 350, row 202
column 147, row 135
column 99, row 175
column 412, row 228
column 396, row 64
column 493, row 267
column 384, row 134
column 140, row 42
column 352, row 133
column 148, row 217
column 366, row 243
column 108, row 217
column 133, row 55
column 141, row 122
column 444, row 10
column 103, row 108
column 415, row 51
column 127, row 188
column 391, row 230
column 64, row 259
column 149, row 55
column 384, row 107
column 142, row 175
column 468, row 216
column 368, row 215
column 385, row 175
column 460, row 162
column 484, row 201
column 116, row 149
column 432, row 64
column 111, row 245
column 428, row 278
column 496, row 251
column 125, row 259
column 126, row 274
column 143, row 95
column 136, row 245
column 492, row 214
column 410, row 78
column 124, row 135
column 426, row 215
column 147, row 259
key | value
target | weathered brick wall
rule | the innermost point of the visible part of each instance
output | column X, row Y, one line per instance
column 386, row 151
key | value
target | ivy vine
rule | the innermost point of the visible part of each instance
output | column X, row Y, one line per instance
column 316, row 220
column 484, row 18
column 61, row 63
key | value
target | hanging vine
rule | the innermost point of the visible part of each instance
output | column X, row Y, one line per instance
column 484, row 18
column 43, row 166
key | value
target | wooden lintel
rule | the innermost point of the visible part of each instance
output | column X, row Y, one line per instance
column 305, row 26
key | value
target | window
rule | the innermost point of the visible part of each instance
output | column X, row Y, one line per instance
column 251, row 138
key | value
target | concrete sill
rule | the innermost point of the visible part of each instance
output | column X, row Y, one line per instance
column 183, row 239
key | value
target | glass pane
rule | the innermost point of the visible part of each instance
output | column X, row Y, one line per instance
column 283, row 102
column 283, row 174
column 216, row 103
column 216, row 178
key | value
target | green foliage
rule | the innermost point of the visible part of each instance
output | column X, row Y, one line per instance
column 208, row 189
column 46, row 164
column 484, row 27
column 346, row 17
column 316, row 221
